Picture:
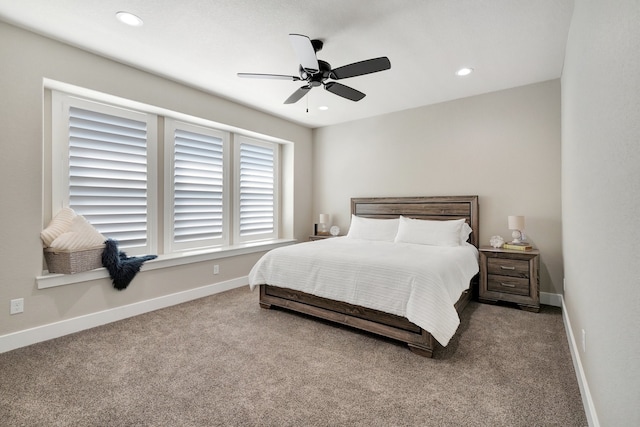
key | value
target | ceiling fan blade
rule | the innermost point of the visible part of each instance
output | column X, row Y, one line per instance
column 268, row 76
column 360, row 68
column 297, row 95
column 305, row 52
column 344, row 91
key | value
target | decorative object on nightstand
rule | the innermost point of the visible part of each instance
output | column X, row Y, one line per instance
column 496, row 241
column 517, row 247
column 334, row 231
column 516, row 224
column 324, row 224
column 512, row 276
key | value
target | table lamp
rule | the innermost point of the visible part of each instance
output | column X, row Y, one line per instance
column 323, row 226
column 516, row 224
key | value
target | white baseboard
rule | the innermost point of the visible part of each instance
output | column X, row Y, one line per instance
column 547, row 298
column 57, row 329
column 587, row 401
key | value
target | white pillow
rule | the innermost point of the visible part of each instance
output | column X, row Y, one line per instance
column 465, row 231
column 429, row 232
column 81, row 235
column 373, row 228
column 61, row 223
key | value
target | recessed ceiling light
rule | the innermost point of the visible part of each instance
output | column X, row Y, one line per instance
column 129, row 19
column 464, row 72
column 323, row 108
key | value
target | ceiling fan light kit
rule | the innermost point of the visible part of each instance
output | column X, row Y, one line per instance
column 317, row 73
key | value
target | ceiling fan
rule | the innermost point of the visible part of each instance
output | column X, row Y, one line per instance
column 316, row 72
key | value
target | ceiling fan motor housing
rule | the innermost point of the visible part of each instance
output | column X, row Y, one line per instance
column 318, row 78
column 317, row 45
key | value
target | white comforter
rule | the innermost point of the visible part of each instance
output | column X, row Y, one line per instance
column 419, row 282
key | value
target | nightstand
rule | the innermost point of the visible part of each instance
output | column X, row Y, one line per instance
column 508, row 275
column 320, row 237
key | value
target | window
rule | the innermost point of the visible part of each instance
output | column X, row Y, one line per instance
column 197, row 186
column 105, row 168
column 257, row 199
column 218, row 188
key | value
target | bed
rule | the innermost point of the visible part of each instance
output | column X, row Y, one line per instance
column 315, row 278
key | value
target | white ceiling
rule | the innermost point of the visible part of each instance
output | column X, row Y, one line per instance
column 204, row 43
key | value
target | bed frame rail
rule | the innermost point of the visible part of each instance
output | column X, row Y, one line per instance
column 377, row 322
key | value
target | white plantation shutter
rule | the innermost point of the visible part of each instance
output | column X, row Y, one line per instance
column 257, row 194
column 104, row 153
column 197, row 218
column 108, row 174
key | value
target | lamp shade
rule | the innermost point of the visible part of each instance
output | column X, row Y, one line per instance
column 324, row 218
column 516, row 222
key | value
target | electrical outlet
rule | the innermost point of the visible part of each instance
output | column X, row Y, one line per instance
column 584, row 341
column 216, row 269
column 17, row 306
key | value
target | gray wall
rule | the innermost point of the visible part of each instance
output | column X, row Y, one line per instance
column 26, row 60
column 601, row 201
column 503, row 146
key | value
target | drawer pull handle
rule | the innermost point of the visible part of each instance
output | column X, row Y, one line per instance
column 508, row 285
column 503, row 267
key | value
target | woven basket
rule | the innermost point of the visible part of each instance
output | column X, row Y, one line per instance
column 70, row 262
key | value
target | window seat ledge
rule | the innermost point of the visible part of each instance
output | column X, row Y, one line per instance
column 48, row 280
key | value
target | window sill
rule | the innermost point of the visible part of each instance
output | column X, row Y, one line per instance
column 47, row 280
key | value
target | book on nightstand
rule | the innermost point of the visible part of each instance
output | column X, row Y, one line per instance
column 517, row 246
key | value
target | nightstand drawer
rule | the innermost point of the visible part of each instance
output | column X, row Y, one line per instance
column 508, row 267
column 508, row 285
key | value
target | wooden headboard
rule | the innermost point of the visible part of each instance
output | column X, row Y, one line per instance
column 434, row 208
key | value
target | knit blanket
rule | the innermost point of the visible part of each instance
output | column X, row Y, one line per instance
column 121, row 267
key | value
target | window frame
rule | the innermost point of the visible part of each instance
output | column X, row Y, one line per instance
column 238, row 141
column 60, row 123
column 159, row 223
column 170, row 126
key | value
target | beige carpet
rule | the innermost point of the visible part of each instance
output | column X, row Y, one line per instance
column 224, row 361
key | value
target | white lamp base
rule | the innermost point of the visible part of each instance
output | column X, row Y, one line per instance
column 517, row 235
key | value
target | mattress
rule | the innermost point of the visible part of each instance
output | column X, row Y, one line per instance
column 419, row 282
